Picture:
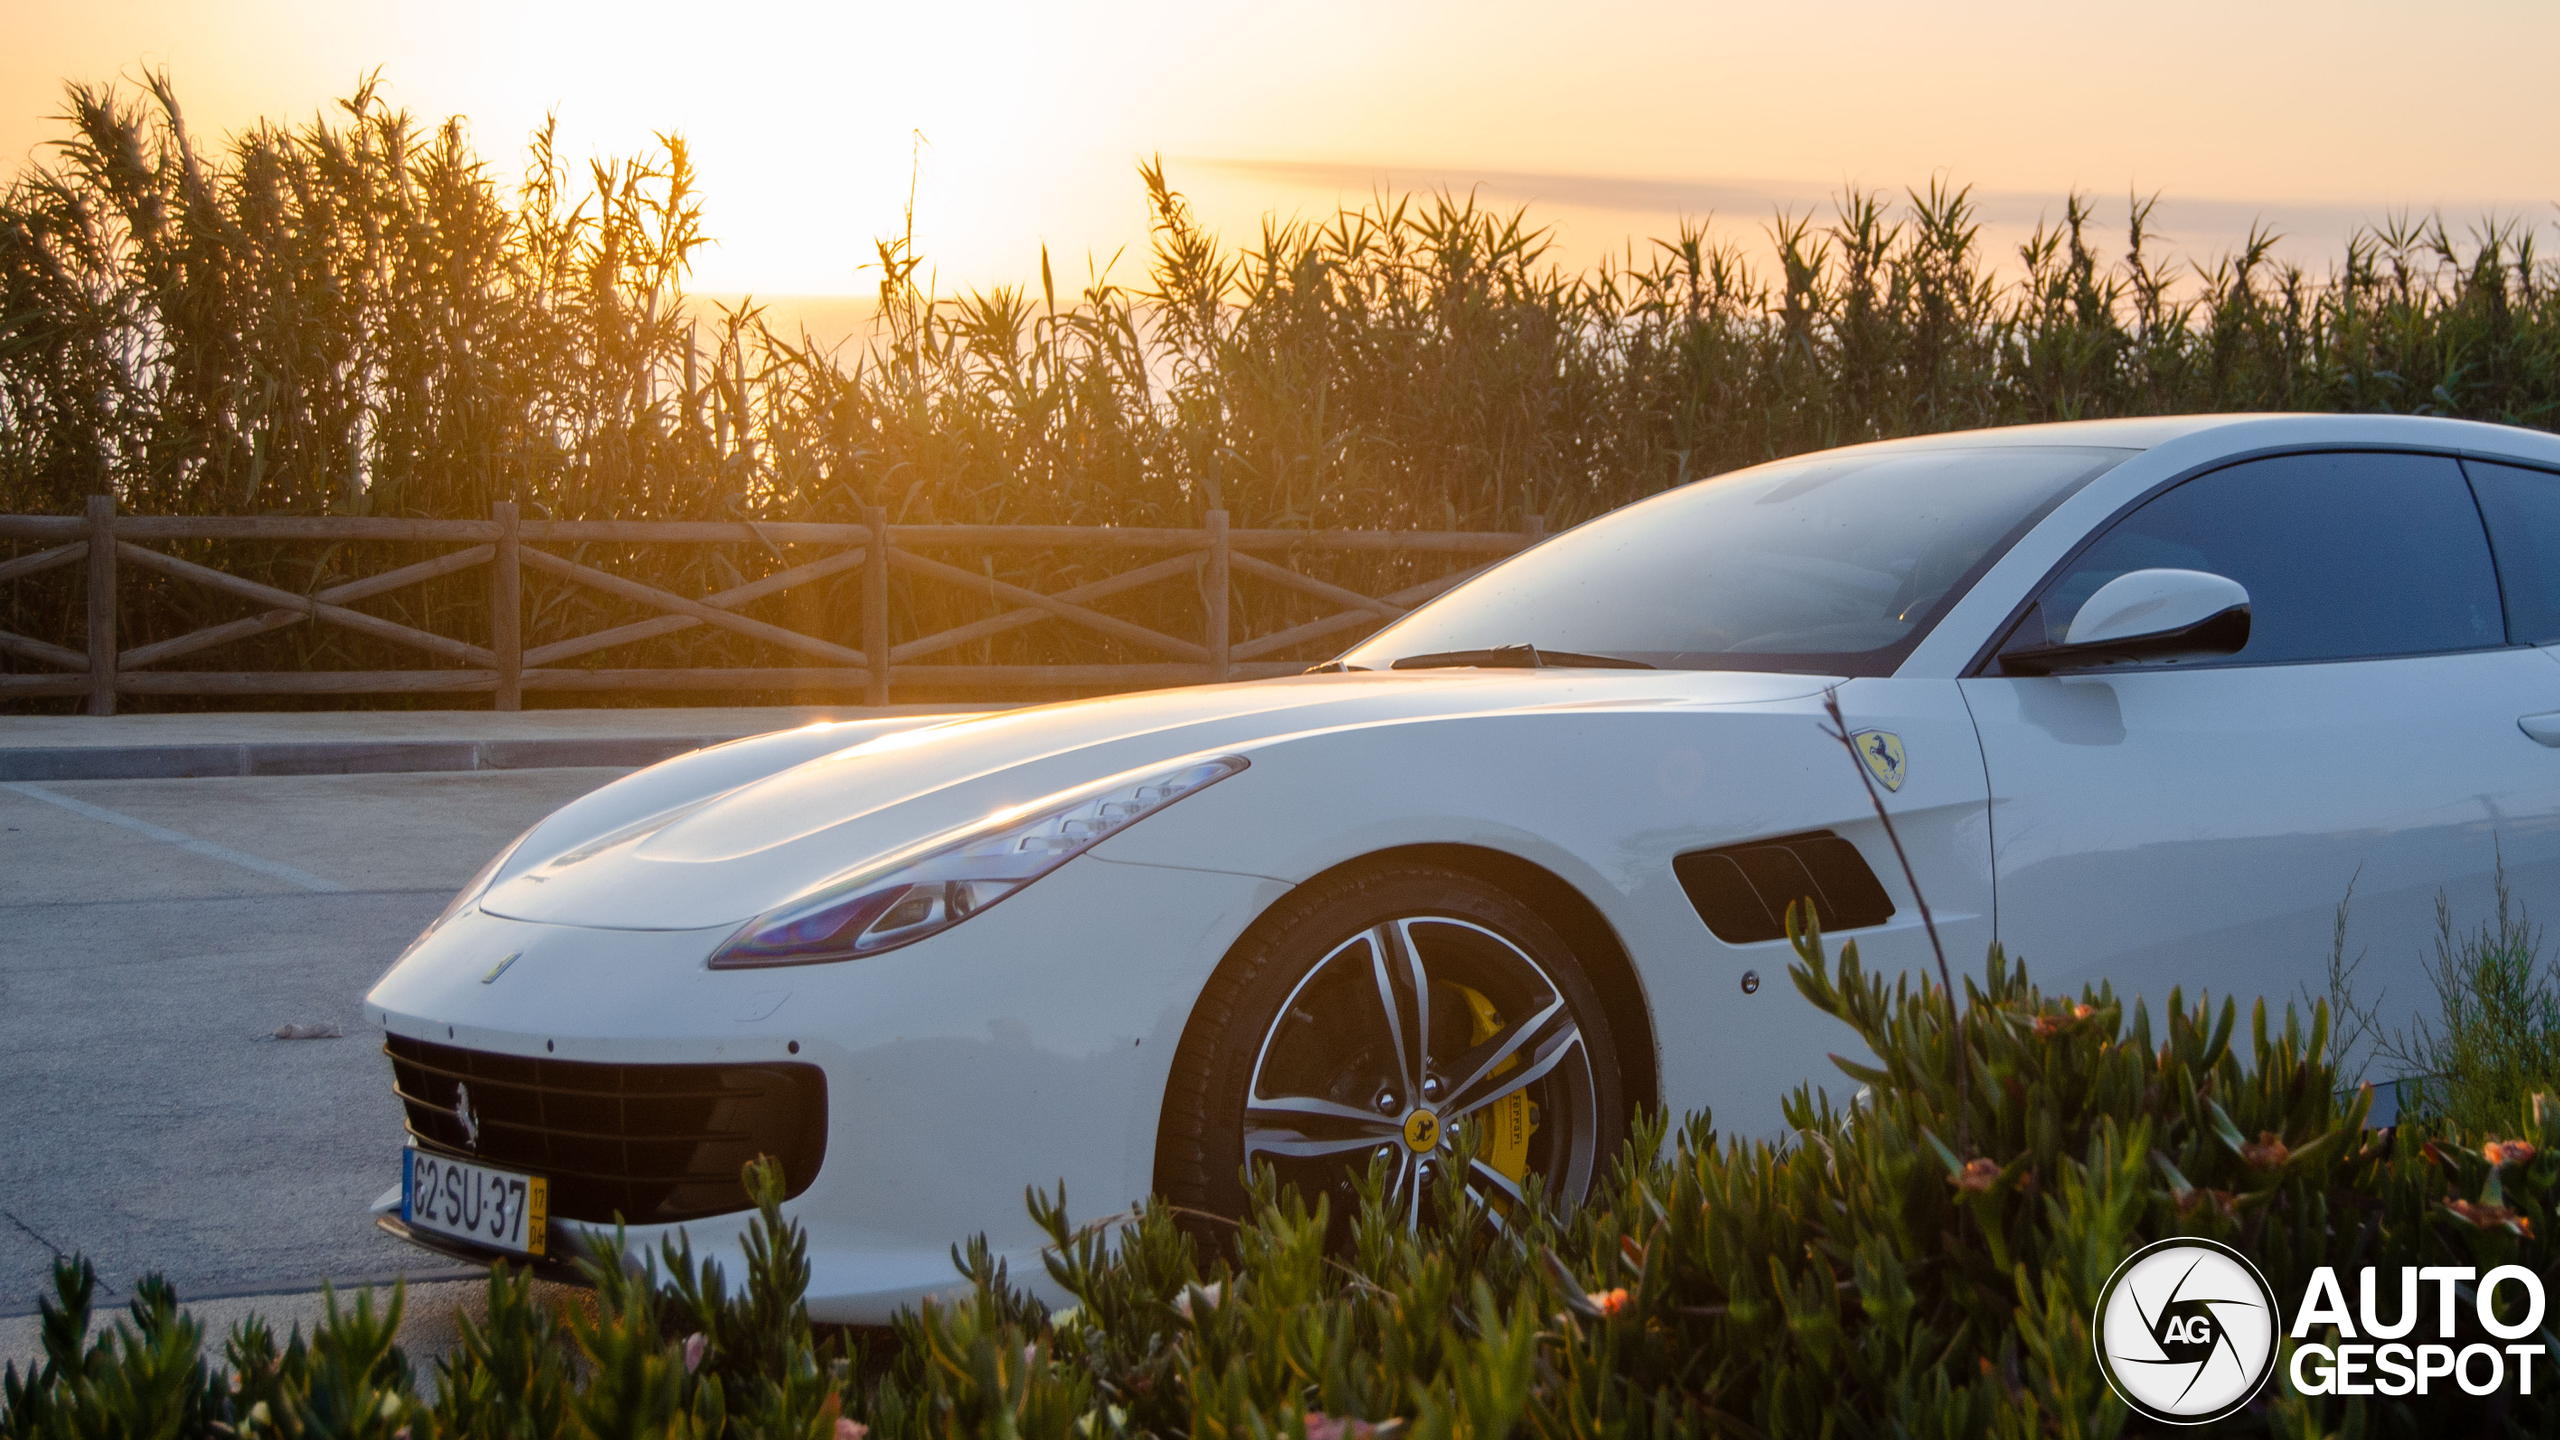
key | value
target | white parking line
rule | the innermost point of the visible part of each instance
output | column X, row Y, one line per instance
column 303, row 878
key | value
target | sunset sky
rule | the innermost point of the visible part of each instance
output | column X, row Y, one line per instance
column 1613, row 120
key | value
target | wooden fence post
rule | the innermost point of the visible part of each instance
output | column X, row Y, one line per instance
column 506, row 608
column 1217, row 587
column 1536, row 526
column 875, row 604
column 102, row 604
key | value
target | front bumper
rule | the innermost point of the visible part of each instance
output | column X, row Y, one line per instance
column 1027, row 1047
column 560, row 1264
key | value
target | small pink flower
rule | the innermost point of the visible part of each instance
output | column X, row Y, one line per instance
column 2220, row 1200
column 2485, row 1216
column 2055, row 1023
column 851, row 1429
column 2269, row 1153
column 694, row 1345
column 1321, row 1426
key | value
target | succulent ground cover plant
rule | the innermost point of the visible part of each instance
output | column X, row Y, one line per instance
column 1864, row 1275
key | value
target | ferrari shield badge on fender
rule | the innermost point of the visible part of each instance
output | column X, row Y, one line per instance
column 1882, row 751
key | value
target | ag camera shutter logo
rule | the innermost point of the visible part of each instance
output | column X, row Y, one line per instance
column 2186, row 1331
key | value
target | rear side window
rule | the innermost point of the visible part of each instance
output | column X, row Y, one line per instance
column 2523, row 510
column 2345, row 556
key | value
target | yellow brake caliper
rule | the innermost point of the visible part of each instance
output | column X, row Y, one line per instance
column 1511, row 1120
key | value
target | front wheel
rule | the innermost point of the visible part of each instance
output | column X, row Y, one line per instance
column 1370, row 1017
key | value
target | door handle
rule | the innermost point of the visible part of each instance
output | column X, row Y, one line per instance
column 2544, row 728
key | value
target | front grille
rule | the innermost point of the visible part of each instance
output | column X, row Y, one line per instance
column 650, row 1144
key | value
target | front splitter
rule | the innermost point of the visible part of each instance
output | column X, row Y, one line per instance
column 562, row 1266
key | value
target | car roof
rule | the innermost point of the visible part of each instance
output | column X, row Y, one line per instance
column 2249, row 429
column 2172, row 447
column 2131, row 433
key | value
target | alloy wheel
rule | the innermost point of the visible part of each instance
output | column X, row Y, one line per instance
column 1403, row 1033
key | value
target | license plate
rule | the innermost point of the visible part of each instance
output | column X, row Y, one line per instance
column 496, row 1208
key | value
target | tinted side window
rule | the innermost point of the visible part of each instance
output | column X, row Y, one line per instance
column 2523, row 509
column 2344, row 555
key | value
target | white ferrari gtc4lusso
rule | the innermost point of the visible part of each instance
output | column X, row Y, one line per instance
column 2146, row 699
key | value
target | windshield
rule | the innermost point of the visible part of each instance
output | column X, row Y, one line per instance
column 1832, row 564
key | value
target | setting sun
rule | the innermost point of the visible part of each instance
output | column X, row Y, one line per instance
column 1021, row 124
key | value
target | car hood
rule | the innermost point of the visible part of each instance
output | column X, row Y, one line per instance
column 723, row 858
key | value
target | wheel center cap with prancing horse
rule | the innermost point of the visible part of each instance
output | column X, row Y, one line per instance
column 1422, row 1132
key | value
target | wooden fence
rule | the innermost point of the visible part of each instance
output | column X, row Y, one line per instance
column 1218, row 557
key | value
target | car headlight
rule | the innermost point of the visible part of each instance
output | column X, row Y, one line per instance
column 933, row 885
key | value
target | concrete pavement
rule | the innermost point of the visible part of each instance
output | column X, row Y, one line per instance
column 159, row 925
column 152, row 1120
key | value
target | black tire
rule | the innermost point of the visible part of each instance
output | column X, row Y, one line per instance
column 1300, row 1007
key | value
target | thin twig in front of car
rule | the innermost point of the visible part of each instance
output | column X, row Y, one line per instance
column 1946, row 979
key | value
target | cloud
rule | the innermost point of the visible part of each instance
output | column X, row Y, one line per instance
column 2197, row 227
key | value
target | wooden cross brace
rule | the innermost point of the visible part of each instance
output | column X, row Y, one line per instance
column 327, row 606
column 27, row 646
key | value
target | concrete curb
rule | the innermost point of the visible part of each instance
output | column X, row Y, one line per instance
column 340, row 757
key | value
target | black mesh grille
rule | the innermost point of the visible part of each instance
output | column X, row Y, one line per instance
column 653, row 1144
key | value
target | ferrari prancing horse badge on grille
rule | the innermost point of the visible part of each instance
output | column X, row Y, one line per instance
column 1882, row 751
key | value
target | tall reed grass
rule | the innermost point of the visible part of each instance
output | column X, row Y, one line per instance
column 360, row 315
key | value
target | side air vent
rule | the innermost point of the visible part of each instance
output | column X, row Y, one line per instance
column 1743, row 891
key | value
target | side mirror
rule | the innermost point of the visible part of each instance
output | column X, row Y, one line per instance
column 2145, row 615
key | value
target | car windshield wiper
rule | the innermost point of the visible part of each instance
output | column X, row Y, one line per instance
column 1523, row 657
